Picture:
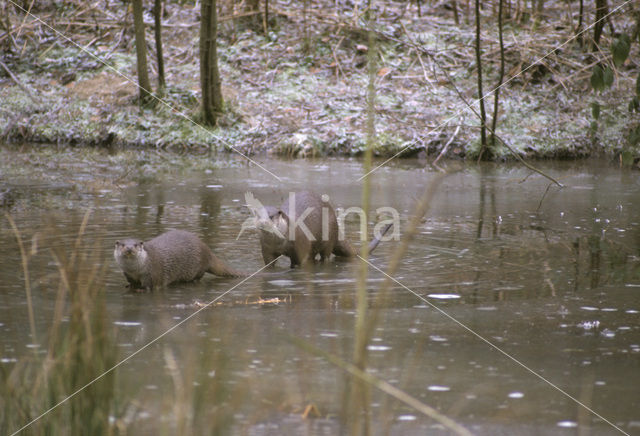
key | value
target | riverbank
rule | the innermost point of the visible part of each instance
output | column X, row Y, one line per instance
column 301, row 90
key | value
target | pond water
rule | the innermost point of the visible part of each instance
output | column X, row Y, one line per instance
column 519, row 310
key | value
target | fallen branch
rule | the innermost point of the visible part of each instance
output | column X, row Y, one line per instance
column 18, row 82
column 446, row 147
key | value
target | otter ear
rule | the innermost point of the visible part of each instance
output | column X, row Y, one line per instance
column 269, row 211
column 283, row 215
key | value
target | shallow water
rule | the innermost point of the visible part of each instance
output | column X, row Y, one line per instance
column 519, row 306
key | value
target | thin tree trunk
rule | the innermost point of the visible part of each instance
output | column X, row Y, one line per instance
column 205, row 19
column 496, row 94
column 580, row 20
column 636, row 28
column 141, row 53
column 306, row 45
column 218, row 103
column 454, row 6
column 212, row 103
column 157, row 15
column 601, row 10
column 483, row 115
column 265, row 18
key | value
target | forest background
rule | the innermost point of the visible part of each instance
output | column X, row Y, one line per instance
column 559, row 78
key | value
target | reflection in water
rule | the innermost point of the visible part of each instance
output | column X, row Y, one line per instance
column 487, row 178
column 209, row 210
column 555, row 283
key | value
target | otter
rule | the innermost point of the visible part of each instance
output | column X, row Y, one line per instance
column 174, row 256
column 275, row 239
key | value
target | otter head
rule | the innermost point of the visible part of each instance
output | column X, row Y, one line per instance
column 130, row 252
column 273, row 224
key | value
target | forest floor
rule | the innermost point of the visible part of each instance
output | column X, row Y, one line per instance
column 301, row 89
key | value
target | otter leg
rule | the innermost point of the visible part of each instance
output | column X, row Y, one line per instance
column 133, row 283
column 325, row 252
column 344, row 249
column 268, row 257
column 302, row 250
column 146, row 284
column 295, row 260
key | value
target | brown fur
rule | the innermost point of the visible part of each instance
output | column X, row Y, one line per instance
column 301, row 249
column 174, row 256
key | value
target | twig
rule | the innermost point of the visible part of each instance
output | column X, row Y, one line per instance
column 115, row 46
column 542, row 198
column 335, row 58
column 424, row 69
column 18, row 82
column 446, row 146
column 24, row 19
column 464, row 100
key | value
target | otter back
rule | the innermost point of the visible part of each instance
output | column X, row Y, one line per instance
column 306, row 240
column 174, row 256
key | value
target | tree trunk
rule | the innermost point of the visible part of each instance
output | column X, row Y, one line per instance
column 454, row 6
column 496, row 93
column 157, row 15
column 579, row 29
column 141, row 53
column 483, row 115
column 212, row 104
column 601, row 10
column 265, row 18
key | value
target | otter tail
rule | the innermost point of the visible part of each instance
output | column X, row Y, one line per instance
column 219, row 268
column 345, row 249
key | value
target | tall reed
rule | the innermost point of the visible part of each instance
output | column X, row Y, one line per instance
column 357, row 393
column 67, row 389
